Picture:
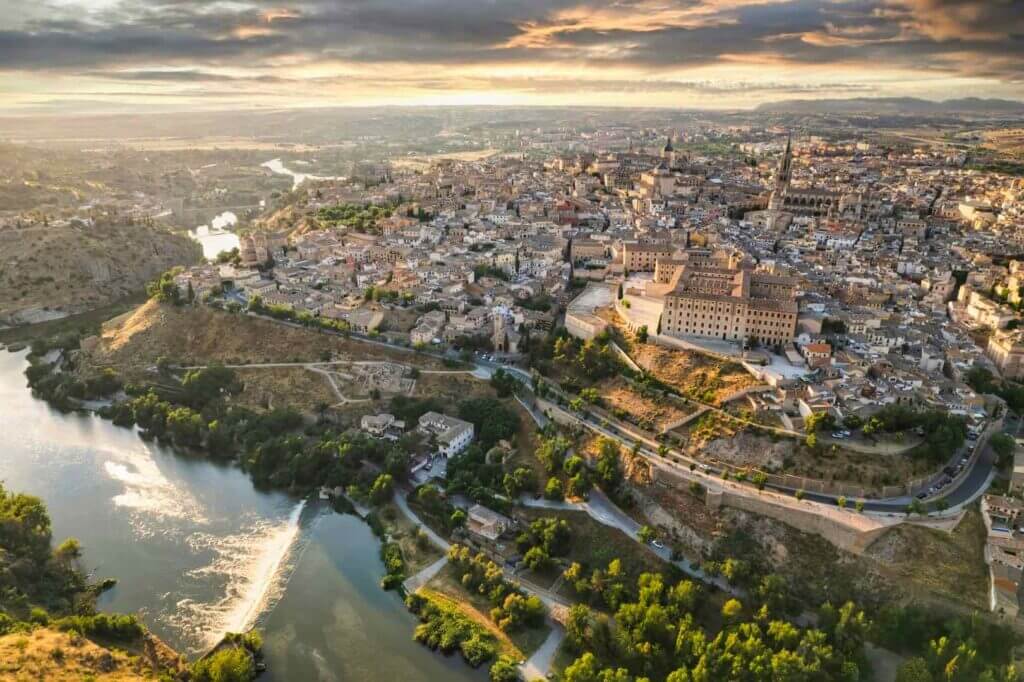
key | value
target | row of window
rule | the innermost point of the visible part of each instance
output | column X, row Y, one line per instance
column 735, row 335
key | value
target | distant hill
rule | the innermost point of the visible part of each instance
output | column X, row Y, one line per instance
column 893, row 105
column 49, row 272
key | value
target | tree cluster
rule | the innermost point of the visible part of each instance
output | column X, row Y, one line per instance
column 544, row 539
column 655, row 637
column 512, row 608
column 442, row 626
column 360, row 217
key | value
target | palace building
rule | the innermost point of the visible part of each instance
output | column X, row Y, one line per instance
column 732, row 303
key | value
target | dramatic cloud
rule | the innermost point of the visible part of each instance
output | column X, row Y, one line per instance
column 667, row 52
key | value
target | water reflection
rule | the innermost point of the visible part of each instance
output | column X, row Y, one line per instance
column 197, row 550
column 217, row 236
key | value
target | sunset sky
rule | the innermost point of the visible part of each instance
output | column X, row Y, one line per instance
column 92, row 55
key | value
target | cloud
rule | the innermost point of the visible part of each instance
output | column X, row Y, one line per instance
column 649, row 43
column 960, row 20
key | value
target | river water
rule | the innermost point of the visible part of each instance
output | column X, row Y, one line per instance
column 217, row 236
column 275, row 166
column 197, row 550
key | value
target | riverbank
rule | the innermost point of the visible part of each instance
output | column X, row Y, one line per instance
column 190, row 540
column 90, row 320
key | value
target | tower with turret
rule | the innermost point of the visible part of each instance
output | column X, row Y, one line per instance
column 668, row 154
column 782, row 177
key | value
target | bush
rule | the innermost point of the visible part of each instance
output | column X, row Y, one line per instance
column 122, row 628
column 391, row 555
column 504, row 670
column 553, row 490
column 226, row 665
column 444, row 627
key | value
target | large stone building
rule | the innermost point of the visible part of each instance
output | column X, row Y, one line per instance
column 730, row 303
column 1006, row 350
column 643, row 256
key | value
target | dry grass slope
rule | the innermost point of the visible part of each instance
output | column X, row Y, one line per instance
column 199, row 335
column 928, row 561
column 55, row 656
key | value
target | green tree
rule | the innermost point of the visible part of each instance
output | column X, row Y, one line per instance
column 1003, row 445
column 492, row 420
column 536, row 559
column 583, row 669
column 382, row 489
column 914, row 670
column 732, row 610
column 608, row 468
column 429, row 497
column 518, row 481
column 504, row 670
column 553, row 490
column 226, row 665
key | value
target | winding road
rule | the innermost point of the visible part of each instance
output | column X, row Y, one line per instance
column 968, row 488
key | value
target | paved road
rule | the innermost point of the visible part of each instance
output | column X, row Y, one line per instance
column 970, row 486
column 606, row 512
column 539, row 664
column 417, row 581
column 403, row 505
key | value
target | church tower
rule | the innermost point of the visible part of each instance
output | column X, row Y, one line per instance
column 668, row 154
column 782, row 176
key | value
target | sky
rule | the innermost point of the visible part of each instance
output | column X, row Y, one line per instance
column 140, row 55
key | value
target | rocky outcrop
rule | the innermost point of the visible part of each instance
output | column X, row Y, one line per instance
column 51, row 272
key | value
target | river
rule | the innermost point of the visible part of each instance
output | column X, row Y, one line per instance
column 275, row 166
column 197, row 550
column 216, row 236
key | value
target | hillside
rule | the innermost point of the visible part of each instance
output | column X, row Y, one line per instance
column 290, row 218
column 49, row 629
column 49, row 272
column 55, row 656
column 893, row 105
column 133, row 342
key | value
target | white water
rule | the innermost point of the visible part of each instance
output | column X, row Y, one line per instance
column 254, row 564
column 276, row 166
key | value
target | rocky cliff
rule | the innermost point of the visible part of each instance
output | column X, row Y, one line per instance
column 50, row 272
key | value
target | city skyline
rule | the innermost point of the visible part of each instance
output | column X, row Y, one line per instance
column 103, row 55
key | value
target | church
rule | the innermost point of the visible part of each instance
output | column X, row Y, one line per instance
column 799, row 201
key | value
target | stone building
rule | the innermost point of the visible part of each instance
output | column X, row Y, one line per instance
column 732, row 304
column 1006, row 350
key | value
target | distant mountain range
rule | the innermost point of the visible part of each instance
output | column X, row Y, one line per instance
column 893, row 105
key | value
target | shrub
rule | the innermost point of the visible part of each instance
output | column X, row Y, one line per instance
column 226, row 665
